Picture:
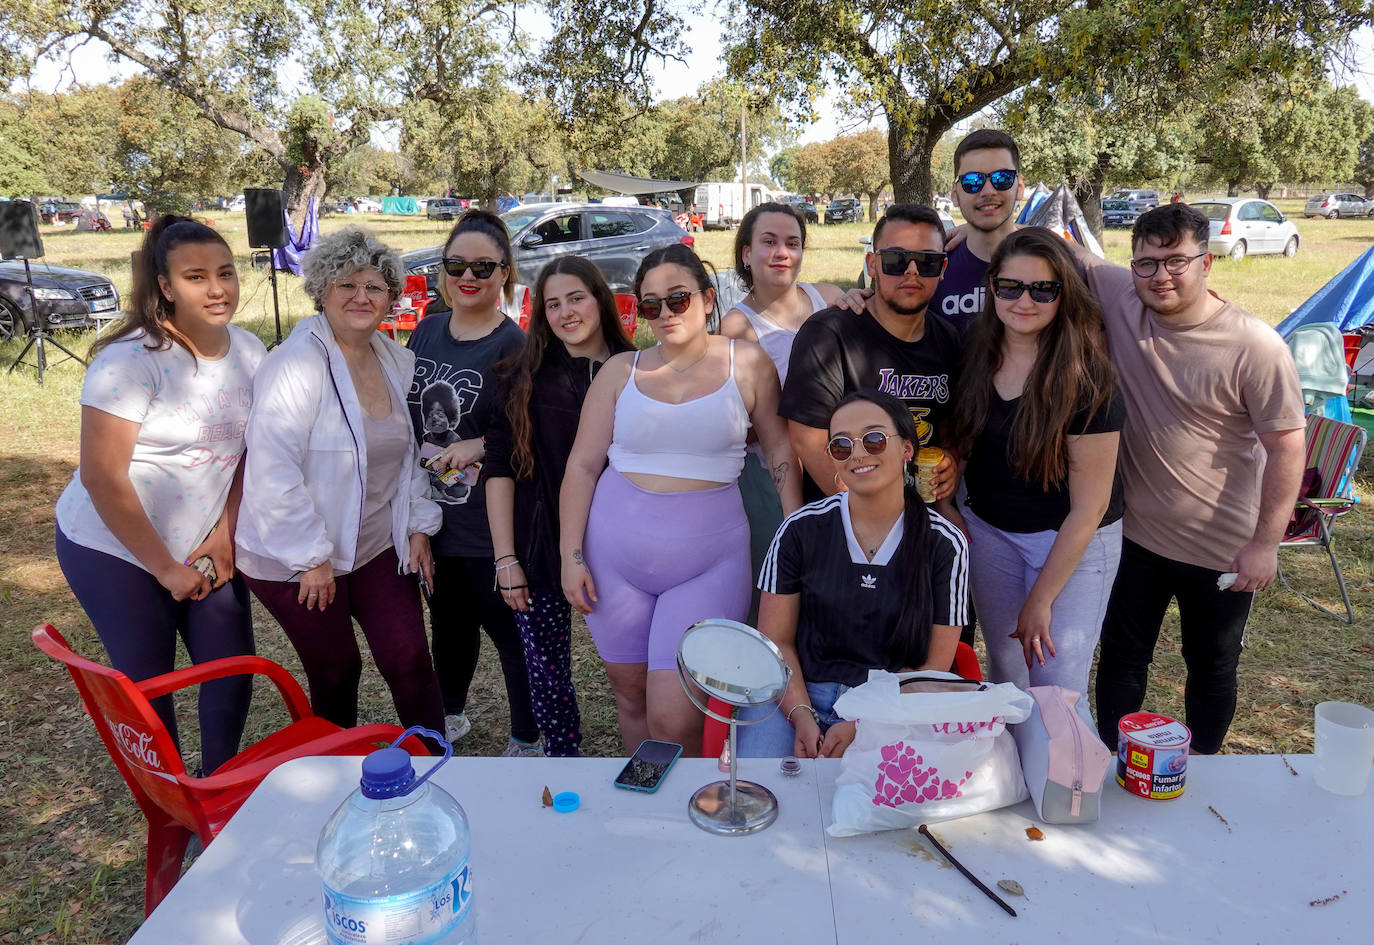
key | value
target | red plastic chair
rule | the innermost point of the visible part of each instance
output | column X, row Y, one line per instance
column 412, row 306
column 714, row 733
column 175, row 803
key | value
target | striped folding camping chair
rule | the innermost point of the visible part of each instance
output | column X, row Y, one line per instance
column 1333, row 455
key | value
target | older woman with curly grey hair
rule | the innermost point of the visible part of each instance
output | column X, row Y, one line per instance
column 336, row 514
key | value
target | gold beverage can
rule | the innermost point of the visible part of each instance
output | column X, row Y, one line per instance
column 927, row 458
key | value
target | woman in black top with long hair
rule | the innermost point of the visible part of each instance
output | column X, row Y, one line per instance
column 573, row 329
column 868, row 578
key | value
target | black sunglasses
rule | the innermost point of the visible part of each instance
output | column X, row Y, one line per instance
column 677, row 303
column 973, row 181
column 1010, row 289
column 895, row 262
column 481, row 268
column 841, row 448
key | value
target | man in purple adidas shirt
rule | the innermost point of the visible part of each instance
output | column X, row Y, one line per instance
column 987, row 186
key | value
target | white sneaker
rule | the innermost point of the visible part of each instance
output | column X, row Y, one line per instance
column 456, row 726
column 518, row 749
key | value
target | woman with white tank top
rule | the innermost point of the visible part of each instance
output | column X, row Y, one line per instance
column 658, row 539
column 768, row 257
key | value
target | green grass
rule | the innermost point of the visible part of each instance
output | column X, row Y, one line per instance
column 71, row 839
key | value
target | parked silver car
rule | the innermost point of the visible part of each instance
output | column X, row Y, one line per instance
column 1343, row 204
column 1247, row 225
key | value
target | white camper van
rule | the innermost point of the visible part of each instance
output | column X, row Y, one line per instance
column 722, row 205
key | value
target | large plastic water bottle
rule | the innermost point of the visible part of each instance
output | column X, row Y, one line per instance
column 394, row 858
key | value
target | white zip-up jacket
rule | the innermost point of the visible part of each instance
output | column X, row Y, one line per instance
column 306, row 463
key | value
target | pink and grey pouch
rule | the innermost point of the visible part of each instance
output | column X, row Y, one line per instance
column 1064, row 762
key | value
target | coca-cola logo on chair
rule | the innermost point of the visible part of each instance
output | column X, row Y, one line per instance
column 137, row 744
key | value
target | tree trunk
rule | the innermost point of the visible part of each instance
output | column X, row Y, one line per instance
column 1233, row 188
column 1088, row 193
column 873, row 196
column 910, row 145
column 302, row 183
column 1262, row 188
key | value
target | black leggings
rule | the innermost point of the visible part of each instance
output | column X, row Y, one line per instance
column 138, row 622
column 1212, row 625
column 463, row 603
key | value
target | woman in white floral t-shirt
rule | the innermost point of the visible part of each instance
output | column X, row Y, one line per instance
column 145, row 528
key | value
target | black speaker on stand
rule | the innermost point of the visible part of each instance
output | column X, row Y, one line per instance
column 19, row 239
column 265, row 209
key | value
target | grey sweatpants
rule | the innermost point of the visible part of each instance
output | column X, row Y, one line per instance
column 1003, row 566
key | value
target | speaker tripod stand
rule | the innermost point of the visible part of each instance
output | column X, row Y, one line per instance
column 39, row 338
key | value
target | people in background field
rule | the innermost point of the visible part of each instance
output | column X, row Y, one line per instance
column 1037, row 415
column 452, row 401
column 987, row 186
column 892, row 346
column 336, row 510
column 869, row 578
column 574, row 328
column 659, row 540
column 1211, row 459
column 768, row 257
column 145, row 528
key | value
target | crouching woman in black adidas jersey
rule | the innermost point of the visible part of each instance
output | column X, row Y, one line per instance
column 869, row 578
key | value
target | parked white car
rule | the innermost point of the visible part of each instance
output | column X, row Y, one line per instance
column 1244, row 226
column 367, row 205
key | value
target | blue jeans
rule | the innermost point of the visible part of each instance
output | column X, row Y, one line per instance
column 774, row 737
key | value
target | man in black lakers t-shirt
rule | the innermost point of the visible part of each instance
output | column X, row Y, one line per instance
column 894, row 346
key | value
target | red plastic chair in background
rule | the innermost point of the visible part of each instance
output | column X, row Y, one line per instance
column 714, row 733
column 628, row 307
column 409, row 308
column 175, row 803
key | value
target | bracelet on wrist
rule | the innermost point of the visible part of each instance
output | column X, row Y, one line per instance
column 504, row 557
column 504, row 567
column 802, row 705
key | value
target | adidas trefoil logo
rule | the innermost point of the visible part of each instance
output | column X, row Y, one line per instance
column 868, row 582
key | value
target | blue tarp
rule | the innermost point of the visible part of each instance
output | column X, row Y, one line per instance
column 288, row 258
column 1347, row 300
column 400, row 205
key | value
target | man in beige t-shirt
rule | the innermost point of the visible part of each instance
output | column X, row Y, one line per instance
column 1211, row 460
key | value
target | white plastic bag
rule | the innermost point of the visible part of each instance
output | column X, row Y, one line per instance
column 924, row 757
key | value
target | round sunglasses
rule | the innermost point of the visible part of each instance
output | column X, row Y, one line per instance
column 677, row 303
column 973, row 181
column 874, row 442
column 1010, row 290
column 481, row 268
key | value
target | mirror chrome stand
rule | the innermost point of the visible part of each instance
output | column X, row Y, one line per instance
column 732, row 807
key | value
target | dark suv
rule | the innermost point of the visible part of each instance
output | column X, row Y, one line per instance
column 844, row 210
column 614, row 238
column 66, row 298
column 803, row 206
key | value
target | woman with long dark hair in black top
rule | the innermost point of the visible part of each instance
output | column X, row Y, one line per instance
column 573, row 329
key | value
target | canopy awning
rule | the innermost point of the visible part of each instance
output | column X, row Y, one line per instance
column 625, row 184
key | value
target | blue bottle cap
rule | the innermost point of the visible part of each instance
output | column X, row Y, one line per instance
column 566, row 802
column 387, row 772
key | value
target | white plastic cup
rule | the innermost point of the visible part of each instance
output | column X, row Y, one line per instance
column 1345, row 747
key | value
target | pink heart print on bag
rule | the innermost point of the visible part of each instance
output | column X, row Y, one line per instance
column 902, row 779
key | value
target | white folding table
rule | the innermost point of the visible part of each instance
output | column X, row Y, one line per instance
column 1291, row 862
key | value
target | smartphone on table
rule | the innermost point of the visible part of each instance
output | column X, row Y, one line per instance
column 648, row 766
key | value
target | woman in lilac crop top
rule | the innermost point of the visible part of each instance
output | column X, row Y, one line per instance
column 658, row 539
